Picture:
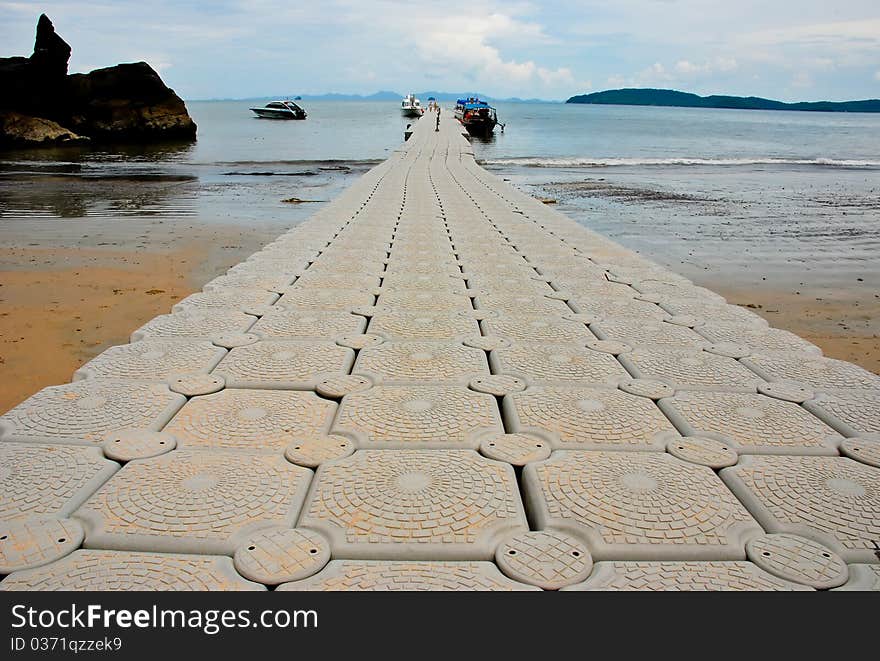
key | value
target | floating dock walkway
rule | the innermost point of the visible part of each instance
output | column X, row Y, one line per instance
column 438, row 382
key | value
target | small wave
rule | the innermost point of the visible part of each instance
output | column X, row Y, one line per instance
column 612, row 162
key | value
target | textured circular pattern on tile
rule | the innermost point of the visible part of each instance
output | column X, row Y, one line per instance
column 293, row 324
column 112, row 571
column 798, row 559
column 686, row 320
column 421, row 362
column 326, row 299
column 787, row 391
column 425, row 416
column 636, row 333
column 422, row 325
column 487, row 342
column 755, row 423
column 250, row 419
column 717, row 313
column 152, row 360
column 609, row 346
column 548, row 559
column 511, row 303
column 729, row 349
column 686, row 369
column 538, row 328
column 194, row 325
column 815, row 371
column 833, row 500
column 618, row 308
column 342, row 385
column 362, row 341
column 261, row 310
column 312, row 451
column 132, row 444
column 515, row 449
column 30, row 543
column 87, row 410
column 589, row 418
column 426, row 504
column 646, row 388
column 497, row 384
column 194, row 384
column 283, row 364
column 48, row 480
column 193, row 502
column 230, row 340
column 639, row 505
column 557, row 363
column 864, row 449
column 279, row 555
column 377, row 575
column 703, row 451
column 436, row 300
column 851, row 412
column 682, row 577
column 239, row 299
column 757, row 339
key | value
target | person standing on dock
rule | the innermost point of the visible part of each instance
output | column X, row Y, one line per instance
column 437, row 127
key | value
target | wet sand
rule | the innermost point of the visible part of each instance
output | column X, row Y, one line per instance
column 63, row 306
column 798, row 247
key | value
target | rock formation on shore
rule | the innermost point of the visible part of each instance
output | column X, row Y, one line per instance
column 42, row 105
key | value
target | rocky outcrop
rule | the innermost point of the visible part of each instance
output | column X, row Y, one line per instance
column 124, row 103
column 17, row 130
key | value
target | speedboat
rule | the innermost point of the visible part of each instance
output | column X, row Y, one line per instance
column 280, row 110
column 477, row 117
column 411, row 106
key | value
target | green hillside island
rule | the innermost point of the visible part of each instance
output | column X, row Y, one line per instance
column 655, row 97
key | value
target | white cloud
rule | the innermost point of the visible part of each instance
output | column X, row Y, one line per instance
column 802, row 79
column 877, row 75
column 719, row 64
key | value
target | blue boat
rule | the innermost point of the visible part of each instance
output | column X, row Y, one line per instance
column 477, row 117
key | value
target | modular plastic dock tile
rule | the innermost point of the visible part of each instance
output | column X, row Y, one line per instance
column 525, row 304
column 687, row 369
column 589, row 418
column 279, row 555
column 300, row 323
column 832, row 500
column 326, row 299
column 418, row 504
column 422, row 416
column 238, row 299
column 411, row 362
column 548, row 559
column 637, row 333
column 130, row 445
column 703, row 451
column 86, row 411
column 727, row 314
column 851, row 412
column 816, row 371
column 537, row 328
column 152, row 360
column 798, row 559
column 683, row 577
column 29, row 543
column 203, row 325
column 638, row 506
column 557, row 363
column 275, row 283
column 752, row 424
column 515, row 449
column 312, row 450
column 318, row 281
column 376, row 575
column 423, row 325
column 284, row 364
column 618, row 308
column 423, row 299
column 862, row 578
column 446, row 282
column 113, row 571
column 193, row 502
column 48, row 480
column 757, row 339
column 865, row 450
column 250, row 419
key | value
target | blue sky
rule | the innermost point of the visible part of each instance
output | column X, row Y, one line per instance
column 790, row 50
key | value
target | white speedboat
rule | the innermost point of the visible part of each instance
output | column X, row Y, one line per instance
column 280, row 110
column 411, row 106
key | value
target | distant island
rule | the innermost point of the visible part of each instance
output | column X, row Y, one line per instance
column 657, row 97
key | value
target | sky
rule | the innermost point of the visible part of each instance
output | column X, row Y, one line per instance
column 783, row 49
